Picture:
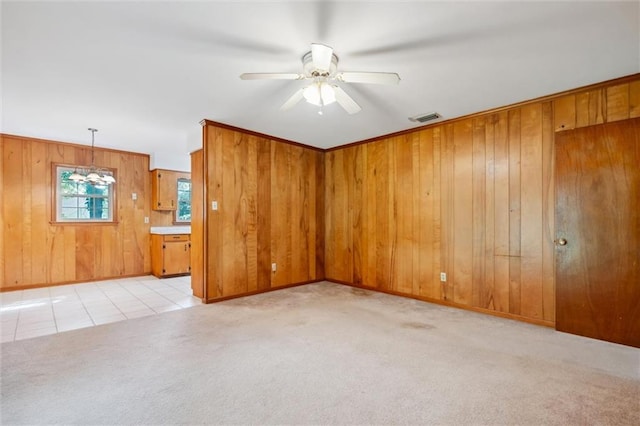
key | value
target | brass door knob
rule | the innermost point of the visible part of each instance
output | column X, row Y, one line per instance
column 561, row 242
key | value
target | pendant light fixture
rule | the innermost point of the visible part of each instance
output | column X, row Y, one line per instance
column 92, row 174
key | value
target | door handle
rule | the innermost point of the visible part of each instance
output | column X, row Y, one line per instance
column 561, row 242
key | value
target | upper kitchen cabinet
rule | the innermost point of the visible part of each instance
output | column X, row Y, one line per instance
column 164, row 189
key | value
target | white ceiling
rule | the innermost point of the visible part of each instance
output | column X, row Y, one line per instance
column 146, row 73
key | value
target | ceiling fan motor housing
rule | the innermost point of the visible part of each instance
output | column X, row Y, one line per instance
column 311, row 71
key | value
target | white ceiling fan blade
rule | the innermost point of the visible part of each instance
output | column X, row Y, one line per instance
column 369, row 77
column 270, row 76
column 293, row 100
column 346, row 101
column 321, row 56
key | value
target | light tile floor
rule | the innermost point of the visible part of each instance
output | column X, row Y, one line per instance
column 49, row 310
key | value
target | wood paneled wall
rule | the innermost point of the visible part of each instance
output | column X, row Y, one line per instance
column 197, row 223
column 270, row 205
column 36, row 252
column 473, row 198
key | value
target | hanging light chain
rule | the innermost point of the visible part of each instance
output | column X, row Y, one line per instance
column 94, row 175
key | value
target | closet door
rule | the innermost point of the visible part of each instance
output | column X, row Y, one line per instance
column 598, row 231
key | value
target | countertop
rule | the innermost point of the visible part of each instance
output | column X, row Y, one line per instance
column 169, row 230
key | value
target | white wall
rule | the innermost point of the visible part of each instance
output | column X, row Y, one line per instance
column 169, row 160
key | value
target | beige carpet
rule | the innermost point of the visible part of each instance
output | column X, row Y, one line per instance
column 319, row 354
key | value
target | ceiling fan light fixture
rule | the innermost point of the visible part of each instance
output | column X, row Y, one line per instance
column 320, row 66
column 319, row 94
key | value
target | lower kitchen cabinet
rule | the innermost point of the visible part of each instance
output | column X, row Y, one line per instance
column 170, row 255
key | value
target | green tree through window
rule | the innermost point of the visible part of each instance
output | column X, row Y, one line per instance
column 183, row 213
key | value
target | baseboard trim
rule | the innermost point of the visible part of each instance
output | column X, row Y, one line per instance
column 41, row 285
column 505, row 315
column 265, row 290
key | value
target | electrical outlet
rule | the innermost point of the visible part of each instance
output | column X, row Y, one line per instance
column 443, row 277
column 273, row 267
column 214, row 205
column 134, row 196
column 146, row 219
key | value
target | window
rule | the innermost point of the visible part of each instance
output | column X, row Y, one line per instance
column 183, row 212
column 82, row 201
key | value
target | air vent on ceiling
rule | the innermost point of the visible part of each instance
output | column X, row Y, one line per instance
column 425, row 117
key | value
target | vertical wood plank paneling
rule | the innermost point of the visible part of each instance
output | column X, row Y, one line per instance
column 2, row 204
column 295, row 193
column 418, row 198
column 27, row 218
column 392, row 214
column 437, row 214
column 249, row 200
column 263, row 211
column 597, row 107
column 582, row 109
column 590, row 108
column 564, row 109
column 369, row 229
column 308, row 264
column 56, row 249
column 128, row 249
column 500, row 295
column 426, row 221
column 320, row 217
column 480, row 243
column 336, row 199
column 350, row 187
column 358, row 222
column 73, row 155
column 214, row 192
column 142, row 209
column 617, row 102
column 548, row 216
column 634, row 99
column 380, row 187
column 13, row 223
column 236, row 216
column 532, row 211
column 447, row 209
column 404, row 215
column 198, row 180
column 228, row 209
column 307, row 220
column 486, row 292
column 514, row 211
column 463, row 212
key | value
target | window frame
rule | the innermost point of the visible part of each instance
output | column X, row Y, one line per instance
column 176, row 219
column 56, row 213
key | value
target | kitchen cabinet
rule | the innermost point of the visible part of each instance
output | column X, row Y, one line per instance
column 164, row 189
column 170, row 255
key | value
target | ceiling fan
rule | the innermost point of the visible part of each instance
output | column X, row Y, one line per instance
column 320, row 65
